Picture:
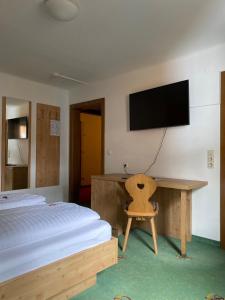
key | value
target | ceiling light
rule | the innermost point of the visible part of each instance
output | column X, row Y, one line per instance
column 62, row 10
column 57, row 75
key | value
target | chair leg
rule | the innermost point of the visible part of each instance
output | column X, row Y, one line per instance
column 154, row 235
column 127, row 234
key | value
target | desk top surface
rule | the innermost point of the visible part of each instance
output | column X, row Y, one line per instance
column 172, row 183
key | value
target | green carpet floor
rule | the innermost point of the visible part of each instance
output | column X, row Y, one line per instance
column 141, row 275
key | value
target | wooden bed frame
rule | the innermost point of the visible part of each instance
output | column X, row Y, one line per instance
column 62, row 279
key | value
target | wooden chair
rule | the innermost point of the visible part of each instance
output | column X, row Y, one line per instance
column 141, row 188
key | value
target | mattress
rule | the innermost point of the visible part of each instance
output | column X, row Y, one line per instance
column 18, row 260
column 24, row 225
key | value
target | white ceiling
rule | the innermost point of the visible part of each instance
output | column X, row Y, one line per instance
column 108, row 37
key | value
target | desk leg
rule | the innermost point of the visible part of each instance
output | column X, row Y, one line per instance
column 183, row 222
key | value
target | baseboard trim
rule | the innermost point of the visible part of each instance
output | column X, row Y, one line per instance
column 205, row 240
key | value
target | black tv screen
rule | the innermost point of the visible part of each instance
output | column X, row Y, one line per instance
column 18, row 128
column 164, row 106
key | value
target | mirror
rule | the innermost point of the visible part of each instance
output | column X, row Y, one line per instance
column 16, row 137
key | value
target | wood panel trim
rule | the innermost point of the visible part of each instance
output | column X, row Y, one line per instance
column 75, row 143
column 222, row 162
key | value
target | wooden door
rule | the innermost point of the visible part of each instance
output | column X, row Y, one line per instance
column 75, row 142
column 90, row 147
column 47, row 145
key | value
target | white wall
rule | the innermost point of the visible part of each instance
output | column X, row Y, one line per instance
column 185, row 148
column 15, row 87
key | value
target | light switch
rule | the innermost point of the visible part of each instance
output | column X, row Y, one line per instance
column 210, row 159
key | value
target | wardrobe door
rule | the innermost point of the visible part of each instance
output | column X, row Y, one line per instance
column 47, row 145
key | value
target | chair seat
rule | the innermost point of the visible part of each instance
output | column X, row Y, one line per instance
column 141, row 214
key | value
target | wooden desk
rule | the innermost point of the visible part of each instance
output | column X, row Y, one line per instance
column 109, row 198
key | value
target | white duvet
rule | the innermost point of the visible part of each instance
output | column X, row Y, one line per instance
column 26, row 225
column 23, row 259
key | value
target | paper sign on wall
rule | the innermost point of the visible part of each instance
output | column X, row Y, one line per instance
column 54, row 128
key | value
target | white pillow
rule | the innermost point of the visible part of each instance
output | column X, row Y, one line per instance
column 14, row 200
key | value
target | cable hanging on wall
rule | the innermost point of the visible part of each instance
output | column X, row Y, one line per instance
column 155, row 157
column 157, row 153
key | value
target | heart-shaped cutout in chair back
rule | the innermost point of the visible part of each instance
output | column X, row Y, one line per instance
column 140, row 186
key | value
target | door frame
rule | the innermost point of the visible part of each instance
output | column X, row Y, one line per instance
column 222, row 162
column 75, row 142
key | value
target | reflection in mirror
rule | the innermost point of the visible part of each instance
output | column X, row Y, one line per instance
column 15, row 144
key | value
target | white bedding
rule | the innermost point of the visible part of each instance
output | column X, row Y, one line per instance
column 25, row 225
column 14, row 200
column 23, row 259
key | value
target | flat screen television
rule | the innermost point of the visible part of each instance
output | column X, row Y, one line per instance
column 18, row 128
column 164, row 106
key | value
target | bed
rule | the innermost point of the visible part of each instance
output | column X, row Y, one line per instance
column 52, row 251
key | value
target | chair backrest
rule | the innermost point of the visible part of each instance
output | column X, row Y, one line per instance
column 141, row 188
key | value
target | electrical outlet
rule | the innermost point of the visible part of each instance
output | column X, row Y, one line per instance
column 125, row 165
column 210, row 159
